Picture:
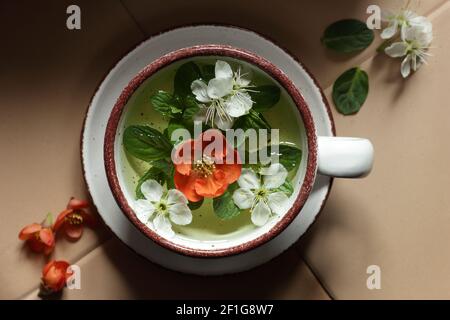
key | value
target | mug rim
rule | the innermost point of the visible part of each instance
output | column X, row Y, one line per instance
column 211, row 50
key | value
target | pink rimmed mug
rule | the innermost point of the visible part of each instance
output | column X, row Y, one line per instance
column 332, row 156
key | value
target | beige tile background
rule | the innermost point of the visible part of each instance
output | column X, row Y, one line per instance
column 398, row 218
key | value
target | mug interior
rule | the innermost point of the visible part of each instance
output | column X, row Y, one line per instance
column 207, row 235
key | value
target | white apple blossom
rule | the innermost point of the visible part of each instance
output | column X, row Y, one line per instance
column 160, row 209
column 413, row 47
column 224, row 97
column 262, row 199
column 400, row 21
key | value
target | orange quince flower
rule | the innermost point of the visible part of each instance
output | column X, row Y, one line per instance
column 73, row 218
column 55, row 275
column 204, row 167
column 39, row 237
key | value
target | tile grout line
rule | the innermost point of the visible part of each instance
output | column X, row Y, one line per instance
column 318, row 279
column 132, row 17
column 78, row 259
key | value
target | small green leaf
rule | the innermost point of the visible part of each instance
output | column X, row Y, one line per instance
column 289, row 156
column 146, row 143
column 164, row 166
column 347, row 36
column 171, row 127
column 252, row 120
column 265, row 97
column 166, row 104
column 190, row 108
column 350, row 91
column 208, row 72
column 224, row 206
column 195, row 205
column 286, row 188
column 152, row 173
column 184, row 77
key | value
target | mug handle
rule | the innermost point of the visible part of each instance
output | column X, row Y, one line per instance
column 345, row 157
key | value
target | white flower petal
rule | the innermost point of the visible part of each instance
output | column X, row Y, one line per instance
column 243, row 198
column 180, row 214
column 234, row 107
column 223, row 123
column 144, row 210
column 390, row 31
column 277, row 202
column 199, row 89
column 163, row 226
column 260, row 214
column 152, row 190
column 219, row 87
column 242, row 76
column 274, row 175
column 239, row 104
column 387, row 15
column 397, row 49
column 406, row 66
column 176, row 196
column 248, row 179
column 223, row 70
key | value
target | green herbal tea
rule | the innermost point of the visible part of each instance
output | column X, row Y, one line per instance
column 207, row 206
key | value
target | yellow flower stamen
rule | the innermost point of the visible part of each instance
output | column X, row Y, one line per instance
column 204, row 167
column 74, row 218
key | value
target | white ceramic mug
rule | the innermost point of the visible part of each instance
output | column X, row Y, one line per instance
column 333, row 156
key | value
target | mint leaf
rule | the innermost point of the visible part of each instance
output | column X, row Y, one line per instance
column 173, row 125
column 350, row 91
column 195, row 205
column 286, row 188
column 289, row 156
column 208, row 72
column 265, row 97
column 252, row 120
column 152, row 173
column 347, row 36
column 184, row 76
column 146, row 143
column 224, row 206
column 190, row 109
column 166, row 104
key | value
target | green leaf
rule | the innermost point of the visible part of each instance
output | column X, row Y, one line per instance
column 164, row 166
column 152, row 173
column 166, row 104
column 265, row 97
column 286, row 188
column 251, row 120
column 184, row 76
column 171, row 127
column 195, row 205
column 347, row 36
column 224, row 206
column 167, row 168
column 350, row 91
column 289, row 156
column 208, row 72
column 190, row 108
column 146, row 143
